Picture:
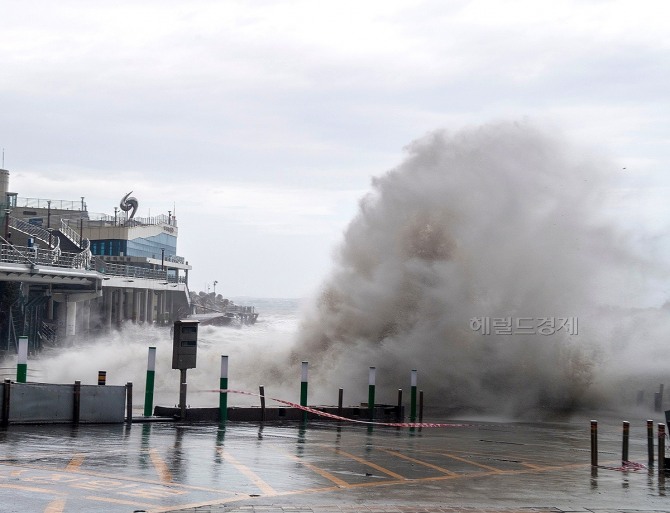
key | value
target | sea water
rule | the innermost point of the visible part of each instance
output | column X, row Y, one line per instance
column 123, row 354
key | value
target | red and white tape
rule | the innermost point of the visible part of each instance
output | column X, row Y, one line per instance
column 337, row 417
column 626, row 465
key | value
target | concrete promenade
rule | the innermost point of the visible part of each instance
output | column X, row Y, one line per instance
column 326, row 467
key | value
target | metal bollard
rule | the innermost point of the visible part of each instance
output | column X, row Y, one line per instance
column 661, row 447
column 129, row 403
column 624, row 446
column 261, row 391
column 6, row 388
column 594, row 443
column 76, row 402
column 650, row 442
column 420, row 405
column 399, row 408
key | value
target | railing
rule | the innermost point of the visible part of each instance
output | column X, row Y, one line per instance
column 83, row 260
column 174, row 258
column 48, row 203
column 36, row 256
column 131, row 271
column 34, row 231
column 120, row 220
column 239, row 309
column 71, row 234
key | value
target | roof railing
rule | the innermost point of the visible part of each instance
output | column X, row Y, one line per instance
column 79, row 205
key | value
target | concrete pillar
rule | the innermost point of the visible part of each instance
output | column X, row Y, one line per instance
column 107, row 297
column 119, row 306
column 50, row 309
column 60, row 319
column 150, row 306
column 142, row 298
column 86, row 317
column 124, row 310
column 171, row 303
column 136, row 305
column 70, row 318
column 160, row 307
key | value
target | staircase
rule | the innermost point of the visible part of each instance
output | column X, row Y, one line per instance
column 26, row 319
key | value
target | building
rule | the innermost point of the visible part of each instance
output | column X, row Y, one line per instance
column 66, row 272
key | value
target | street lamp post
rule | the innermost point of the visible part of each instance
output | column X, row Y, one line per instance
column 7, row 211
column 215, row 282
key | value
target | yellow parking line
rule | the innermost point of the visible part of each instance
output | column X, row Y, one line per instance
column 131, row 479
column 321, row 472
column 75, row 463
column 160, row 465
column 370, row 464
column 55, row 506
column 419, row 462
column 250, row 474
column 480, row 465
column 533, row 466
column 126, row 503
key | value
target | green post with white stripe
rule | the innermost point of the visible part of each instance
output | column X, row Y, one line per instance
column 22, row 363
column 149, row 393
column 223, row 385
column 303, row 389
column 412, row 407
column 371, row 392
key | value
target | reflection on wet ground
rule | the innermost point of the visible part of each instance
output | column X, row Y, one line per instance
column 160, row 467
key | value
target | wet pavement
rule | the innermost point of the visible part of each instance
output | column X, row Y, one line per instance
column 324, row 467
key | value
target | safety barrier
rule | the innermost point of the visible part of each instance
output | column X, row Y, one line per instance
column 626, row 464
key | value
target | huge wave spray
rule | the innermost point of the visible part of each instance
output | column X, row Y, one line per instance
column 503, row 222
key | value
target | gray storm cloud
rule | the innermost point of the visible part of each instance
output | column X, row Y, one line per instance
column 499, row 221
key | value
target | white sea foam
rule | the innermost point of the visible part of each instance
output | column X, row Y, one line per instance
column 123, row 354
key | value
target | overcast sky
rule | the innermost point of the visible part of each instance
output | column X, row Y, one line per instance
column 261, row 123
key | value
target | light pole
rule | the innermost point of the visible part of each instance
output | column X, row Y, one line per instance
column 7, row 211
column 215, row 282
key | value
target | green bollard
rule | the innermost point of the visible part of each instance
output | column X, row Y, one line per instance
column 303, row 389
column 149, row 393
column 22, row 365
column 412, row 407
column 371, row 393
column 223, row 385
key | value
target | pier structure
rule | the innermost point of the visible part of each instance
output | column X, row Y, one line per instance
column 66, row 272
